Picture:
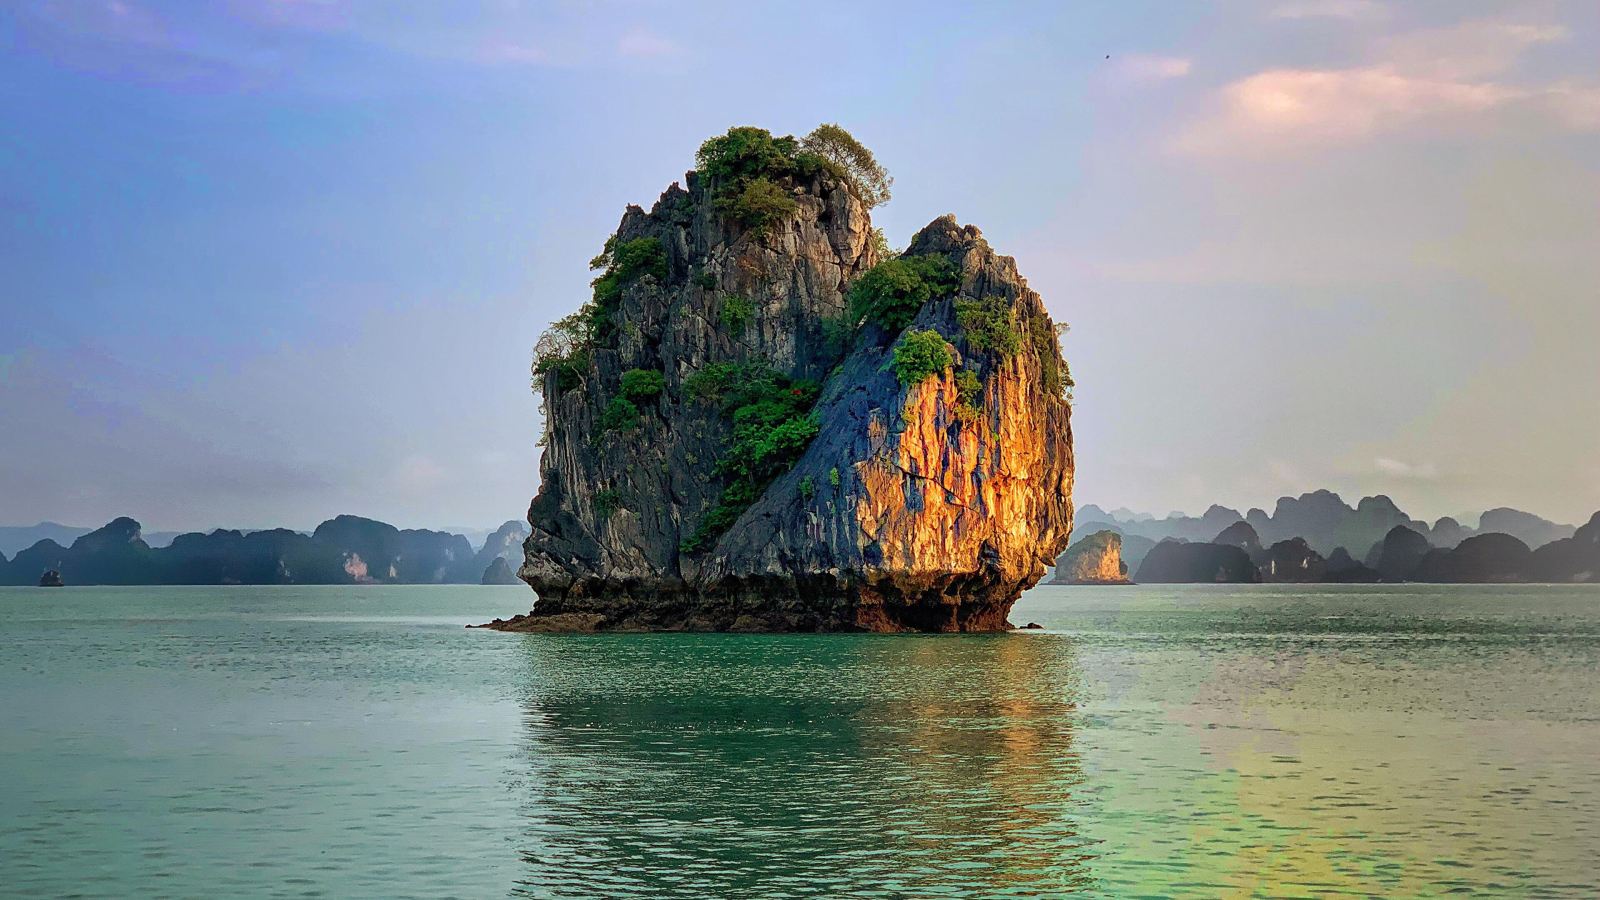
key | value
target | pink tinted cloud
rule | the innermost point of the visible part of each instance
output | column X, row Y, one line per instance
column 1330, row 9
column 642, row 44
column 1439, row 78
column 1147, row 68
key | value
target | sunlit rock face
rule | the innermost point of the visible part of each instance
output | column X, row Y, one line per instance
column 906, row 511
column 1096, row 559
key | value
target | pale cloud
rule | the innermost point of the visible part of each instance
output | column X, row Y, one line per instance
column 1145, row 68
column 107, row 20
column 1440, row 77
column 1468, row 50
column 510, row 53
column 642, row 44
column 419, row 472
column 1395, row 468
column 1330, row 9
column 1294, row 107
column 1576, row 105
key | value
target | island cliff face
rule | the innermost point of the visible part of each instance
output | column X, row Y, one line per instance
column 1096, row 559
column 908, row 500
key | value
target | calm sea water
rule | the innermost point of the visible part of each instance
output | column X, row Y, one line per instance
column 1155, row 741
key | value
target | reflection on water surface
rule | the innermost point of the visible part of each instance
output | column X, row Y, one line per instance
column 786, row 765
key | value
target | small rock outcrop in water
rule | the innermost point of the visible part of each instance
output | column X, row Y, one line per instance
column 760, row 424
column 1097, row 559
column 1179, row 562
column 499, row 572
column 51, row 578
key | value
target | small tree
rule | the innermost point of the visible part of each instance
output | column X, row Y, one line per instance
column 919, row 355
column 839, row 148
column 563, row 351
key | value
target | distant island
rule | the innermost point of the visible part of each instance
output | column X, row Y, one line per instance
column 342, row 550
column 766, row 419
column 1317, row 537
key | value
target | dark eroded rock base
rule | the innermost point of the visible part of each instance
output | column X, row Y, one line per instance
column 764, row 607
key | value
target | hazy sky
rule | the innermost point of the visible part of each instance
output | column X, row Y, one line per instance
column 264, row 261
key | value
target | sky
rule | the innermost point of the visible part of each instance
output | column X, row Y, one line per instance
column 267, row 261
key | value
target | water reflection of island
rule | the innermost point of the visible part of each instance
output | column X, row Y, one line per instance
column 675, row 765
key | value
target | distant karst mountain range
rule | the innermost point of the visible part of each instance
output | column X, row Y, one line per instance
column 1317, row 537
column 342, row 550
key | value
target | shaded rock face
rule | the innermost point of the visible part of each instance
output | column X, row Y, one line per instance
column 1576, row 558
column 1342, row 567
column 499, row 572
column 1134, row 549
column 113, row 554
column 504, row 543
column 377, row 551
column 1097, row 559
column 1177, row 562
column 1532, row 530
column 1325, row 521
column 1292, row 561
column 1485, row 558
column 1241, row 535
column 901, row 514
column 1447, row 533
column 1400, row 553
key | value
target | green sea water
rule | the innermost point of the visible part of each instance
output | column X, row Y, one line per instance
column 1152, row 741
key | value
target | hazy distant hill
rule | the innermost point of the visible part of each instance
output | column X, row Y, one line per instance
column 1325, row 521
column 16, row 538
column 343, row 550
column 1508, row 546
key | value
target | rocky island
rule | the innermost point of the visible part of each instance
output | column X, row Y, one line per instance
column 766, row 420
column 1096, row 559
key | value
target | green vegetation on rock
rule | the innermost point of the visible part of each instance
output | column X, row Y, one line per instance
column 990, row 325
column 847, row 157
column 880, row 244
column 563, row 352
column 743, row 165
column 772, row 426
column 890, row 293
column 620, row 415
column 566, row 349
column 736, row 312
column 607, row 502
column 1057, row 377
column 748, row 165
column 643, row 384
column 623, row 263
column 920, row 354
column 970, row 387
